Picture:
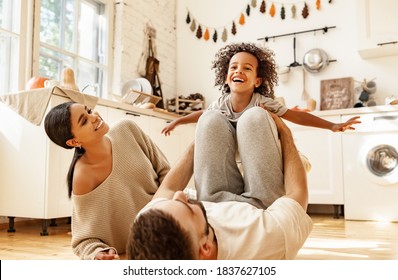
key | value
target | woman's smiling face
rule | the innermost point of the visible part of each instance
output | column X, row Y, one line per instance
column 86, row 125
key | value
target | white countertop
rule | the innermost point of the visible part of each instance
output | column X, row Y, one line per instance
column 357, row 111
column 156, row 112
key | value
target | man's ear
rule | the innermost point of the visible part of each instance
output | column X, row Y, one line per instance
column 206, row 251
column 72, row 143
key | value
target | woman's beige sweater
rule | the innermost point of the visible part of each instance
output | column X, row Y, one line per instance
column 101, row 218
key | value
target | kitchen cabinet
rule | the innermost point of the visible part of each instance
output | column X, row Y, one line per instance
column 115, row 114
column 32, row 170
column 377, row 28
column 324, row 151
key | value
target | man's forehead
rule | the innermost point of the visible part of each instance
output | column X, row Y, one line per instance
column 151, row 204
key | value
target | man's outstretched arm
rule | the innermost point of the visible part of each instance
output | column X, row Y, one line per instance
column 295, row 177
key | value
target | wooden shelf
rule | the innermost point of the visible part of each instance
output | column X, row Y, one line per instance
column 190, row 101
column 187, row 109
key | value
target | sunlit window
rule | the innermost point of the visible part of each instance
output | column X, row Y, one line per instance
column 10, row 36
column 73, row 34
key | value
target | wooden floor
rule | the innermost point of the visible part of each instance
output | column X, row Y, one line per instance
column 331, row 239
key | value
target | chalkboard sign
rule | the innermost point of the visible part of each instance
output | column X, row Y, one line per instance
column 337, row 93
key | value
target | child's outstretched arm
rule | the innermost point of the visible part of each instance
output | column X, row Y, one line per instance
column 191, row 118
column 307, row 119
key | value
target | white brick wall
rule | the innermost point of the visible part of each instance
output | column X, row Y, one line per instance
column 131, row 17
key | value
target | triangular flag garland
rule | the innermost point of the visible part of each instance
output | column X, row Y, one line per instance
column 273, row 6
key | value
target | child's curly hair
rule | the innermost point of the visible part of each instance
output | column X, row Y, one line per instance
column 266, row 66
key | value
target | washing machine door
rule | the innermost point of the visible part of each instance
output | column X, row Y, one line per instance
column 382, row 163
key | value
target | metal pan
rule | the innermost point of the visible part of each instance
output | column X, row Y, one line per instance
column 315, row 60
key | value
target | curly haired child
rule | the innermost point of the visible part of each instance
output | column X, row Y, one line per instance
column 246, row 74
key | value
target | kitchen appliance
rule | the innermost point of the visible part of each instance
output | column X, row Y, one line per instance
column 370, row 162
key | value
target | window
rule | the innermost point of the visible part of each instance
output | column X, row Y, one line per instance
column 74, row 33
column 66, row 33
column 10, row 39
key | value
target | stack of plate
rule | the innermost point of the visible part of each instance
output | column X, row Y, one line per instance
column 132, row 90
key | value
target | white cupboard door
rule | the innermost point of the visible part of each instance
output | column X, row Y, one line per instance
column 170, row 145
column 103, row 112
column 141, row 120
column 22, row 166
column 323, row 149
column 377, row 23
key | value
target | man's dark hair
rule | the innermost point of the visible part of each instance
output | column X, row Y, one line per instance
column 156, row 235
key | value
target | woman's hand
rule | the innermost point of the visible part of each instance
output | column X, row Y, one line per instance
column 107, row 255
column 341, row 127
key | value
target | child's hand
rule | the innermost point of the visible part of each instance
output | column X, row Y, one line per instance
column 169, row 128
column 341, row 127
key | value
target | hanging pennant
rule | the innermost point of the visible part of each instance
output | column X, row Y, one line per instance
column 242, row 19
column 283, row 13
column 272, row 10
column 199, row 32
column 233, row 30
column 304, row 13
column 206, row 36
column 224, row 35
column 215, row 35
column 203, row 30
column 263, row 7
column 193, row 26
column 293, row 9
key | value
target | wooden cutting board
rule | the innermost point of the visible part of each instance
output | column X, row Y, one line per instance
column 337, row 93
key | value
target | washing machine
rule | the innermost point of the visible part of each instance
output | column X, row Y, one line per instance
column 370, row 168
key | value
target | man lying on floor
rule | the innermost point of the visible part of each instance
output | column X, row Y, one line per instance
column 173, row 227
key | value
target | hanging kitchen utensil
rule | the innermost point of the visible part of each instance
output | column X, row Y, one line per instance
column 294, row 63
column 315, row 60
column 152, row 73
column 305, row 96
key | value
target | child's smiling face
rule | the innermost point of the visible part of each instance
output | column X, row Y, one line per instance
column 242, row 73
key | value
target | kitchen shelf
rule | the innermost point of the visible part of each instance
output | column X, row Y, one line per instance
column 190, row 102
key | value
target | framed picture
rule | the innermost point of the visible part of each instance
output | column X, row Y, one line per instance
column 337, row 94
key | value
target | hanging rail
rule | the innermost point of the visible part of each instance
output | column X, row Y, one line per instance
column 324, row 29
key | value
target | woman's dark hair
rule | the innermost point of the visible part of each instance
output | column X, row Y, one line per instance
column 57, row 125
column 266, row 66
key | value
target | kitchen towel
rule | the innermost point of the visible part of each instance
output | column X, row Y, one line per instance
column 32, row 104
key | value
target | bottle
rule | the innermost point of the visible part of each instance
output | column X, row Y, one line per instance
column 68, row 79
